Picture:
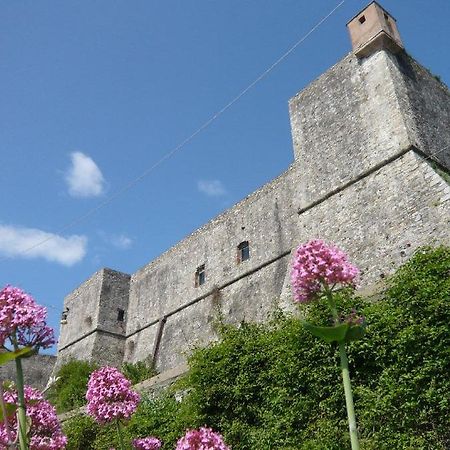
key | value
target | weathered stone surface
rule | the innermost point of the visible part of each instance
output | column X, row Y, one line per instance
column 364, row 134
column 37, row 370
column 426, row 107
column 94, row 330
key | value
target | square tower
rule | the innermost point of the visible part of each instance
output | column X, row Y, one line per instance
column 94, row 319
column 373, row 29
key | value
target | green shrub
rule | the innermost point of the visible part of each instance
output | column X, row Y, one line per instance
column 407, row 352
column 163, row 417
column 69, row 391
column 276, row 386
column 82, row 432
column 137, row 372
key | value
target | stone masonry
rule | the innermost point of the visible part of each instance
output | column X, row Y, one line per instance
column 371, row 140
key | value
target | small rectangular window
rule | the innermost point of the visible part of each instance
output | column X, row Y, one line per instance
column 362, row 19
column 200, row 276
column 243, row 251
column 120, row 315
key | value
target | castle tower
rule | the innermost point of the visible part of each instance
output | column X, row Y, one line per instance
column 372, row 107
column 93, row 320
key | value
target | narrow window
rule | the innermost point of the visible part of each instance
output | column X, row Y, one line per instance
column 200, row 275
column 64, row 315
column 243, row 251
column 120, row 315
column 362, row 19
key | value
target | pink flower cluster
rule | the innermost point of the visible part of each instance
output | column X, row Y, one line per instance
column 45, row 431
column 202, row 439
column 24, row 320
column 148, row 443
column 109, row 396
column 317, row 264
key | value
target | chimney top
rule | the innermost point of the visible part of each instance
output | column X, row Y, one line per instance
column 373, row 29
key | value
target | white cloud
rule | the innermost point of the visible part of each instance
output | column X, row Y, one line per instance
column 121, row 241
column 20, row 242
column 84, row 178
column 212, row 188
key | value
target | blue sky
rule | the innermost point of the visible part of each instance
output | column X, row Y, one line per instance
column 94, row 93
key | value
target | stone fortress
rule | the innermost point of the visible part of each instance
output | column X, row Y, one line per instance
column 370, row 172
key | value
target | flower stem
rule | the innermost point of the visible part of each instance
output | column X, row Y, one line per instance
column 348, row 397
column 345, row 376
column 119, row 434
column 21, row 411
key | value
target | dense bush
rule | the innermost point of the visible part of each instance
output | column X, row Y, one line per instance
column 137, row 372
column 70, row 390
column 275, row 386
column 82, row 432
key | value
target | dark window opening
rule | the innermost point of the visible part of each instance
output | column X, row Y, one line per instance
column 64, row 315
column 200, row 276
column 243, row 251
column 120, row 315
column 362, row 19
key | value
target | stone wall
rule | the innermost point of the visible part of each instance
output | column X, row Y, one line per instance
column 345, row 123
column 37, row 370
column 361, row 113
column 265, row 219
column 363, row 133
column 380, row 220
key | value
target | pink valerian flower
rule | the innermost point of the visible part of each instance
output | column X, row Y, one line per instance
column 110, row 396
column 317, row 264
column 202, row 439
column 45, row 430
column 22, row 319
column 148, row 443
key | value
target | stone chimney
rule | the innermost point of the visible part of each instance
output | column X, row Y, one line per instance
column 373, row 29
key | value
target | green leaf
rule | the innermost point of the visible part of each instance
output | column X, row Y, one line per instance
column 328, row 334
column 10, row 410
column 355, row 332
column 9, row 356
column 29, row 353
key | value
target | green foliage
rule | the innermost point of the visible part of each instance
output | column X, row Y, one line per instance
column 137, row 372
column 69, row 391
column 277, row 386
column 163, row 417
column 406, row 406
column 82, row 432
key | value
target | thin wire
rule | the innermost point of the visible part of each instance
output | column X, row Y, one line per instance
column 182, row 144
